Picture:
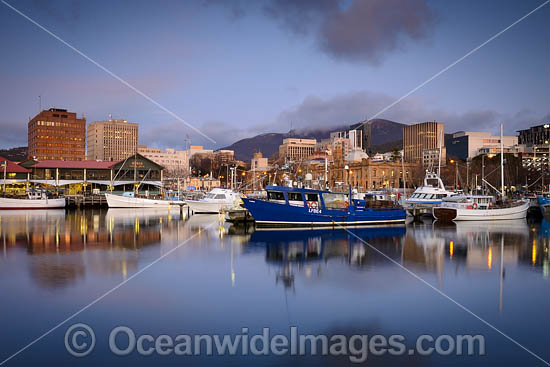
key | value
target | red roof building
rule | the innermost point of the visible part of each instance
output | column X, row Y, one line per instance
column 13, row 167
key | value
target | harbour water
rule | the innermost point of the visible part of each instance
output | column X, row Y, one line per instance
column 174, row 275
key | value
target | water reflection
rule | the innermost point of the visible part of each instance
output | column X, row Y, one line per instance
column 302, row 250
column 230, row 276
column 101, row 237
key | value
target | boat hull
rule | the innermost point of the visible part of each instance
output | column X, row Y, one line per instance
column 25, row 204
column 417, row 208
column 202, row 207
column 117, row 201
column 459, row 214
column 271, row 214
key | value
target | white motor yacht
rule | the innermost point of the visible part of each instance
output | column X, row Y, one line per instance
column 216, row 201
column 430, row 194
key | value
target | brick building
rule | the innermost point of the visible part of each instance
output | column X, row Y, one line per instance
column 57, row 134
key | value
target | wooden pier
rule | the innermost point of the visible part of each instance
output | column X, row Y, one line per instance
column 86, row 200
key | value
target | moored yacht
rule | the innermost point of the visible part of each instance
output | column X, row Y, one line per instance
column 129, row 200
column 216, row 201
column 34, row 200
column 479, row 207
column 290, row 206
column 430, row 194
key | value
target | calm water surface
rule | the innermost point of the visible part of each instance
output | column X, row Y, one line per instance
column 224, row 278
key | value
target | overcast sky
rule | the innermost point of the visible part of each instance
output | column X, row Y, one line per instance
column 234, row 69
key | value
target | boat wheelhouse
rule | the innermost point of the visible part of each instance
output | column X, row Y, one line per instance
column 289, row 206
column 430, row 194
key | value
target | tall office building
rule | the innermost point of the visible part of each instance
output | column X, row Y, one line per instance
column 364, row 132
column 58, row 135
column 535, row 135
column 112, row 140
column 420, row 137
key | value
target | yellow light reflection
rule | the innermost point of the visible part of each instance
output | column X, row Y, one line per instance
column 451, row 249
column 534, row 254
column 490, row 258
column 124, row 270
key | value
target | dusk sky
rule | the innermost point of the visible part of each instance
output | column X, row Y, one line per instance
column 234, row 69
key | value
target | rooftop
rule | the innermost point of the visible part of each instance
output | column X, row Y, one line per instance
column 75, row 164
column 13, row 167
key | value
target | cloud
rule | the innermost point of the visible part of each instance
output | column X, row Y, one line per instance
column 174, row 134
column 317, row 113
column 14, row 134
column 364, row 30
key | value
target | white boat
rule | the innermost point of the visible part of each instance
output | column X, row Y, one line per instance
column 34, row 200
column 427, row 196
column 216, row 201
column 127, row 201
column 479, row 208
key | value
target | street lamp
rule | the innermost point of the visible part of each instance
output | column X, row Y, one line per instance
column 452, row 161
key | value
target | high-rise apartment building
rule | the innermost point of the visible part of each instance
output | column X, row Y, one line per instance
column 112, row 140
column 57, row 134
column 420, row 137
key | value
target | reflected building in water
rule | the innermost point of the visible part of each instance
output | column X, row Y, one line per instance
column 100, row 241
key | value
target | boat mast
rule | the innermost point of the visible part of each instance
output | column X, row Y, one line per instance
column 439, row 167
column 326, row 169
column 135, row 173
column 403, row 170
column 501, row 163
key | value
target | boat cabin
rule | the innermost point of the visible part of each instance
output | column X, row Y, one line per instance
column 470, row 201
column 316, row 200
column 220, row 195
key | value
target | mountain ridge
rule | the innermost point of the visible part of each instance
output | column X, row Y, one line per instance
column 386, row 135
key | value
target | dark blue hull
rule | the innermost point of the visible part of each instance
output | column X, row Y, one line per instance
column 272, row 214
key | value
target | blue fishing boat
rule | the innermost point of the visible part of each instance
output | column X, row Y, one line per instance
column 289, row 206
column 543, row 200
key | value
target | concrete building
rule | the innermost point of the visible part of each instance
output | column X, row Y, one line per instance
column 296, row 150
column 337, row 139
column 469, row 144
column 224, row 156
column 359, row 135
column 365, row 174
column 259, row 163
column 175, row 162
column 57, row 134
column 111, row 140
column 194, row 149
column 364, row 133
column 420, row 137
column 430, row 158
column 535, row 135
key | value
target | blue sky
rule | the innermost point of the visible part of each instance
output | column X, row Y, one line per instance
column 234, row 69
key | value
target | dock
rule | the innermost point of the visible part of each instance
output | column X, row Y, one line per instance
column 86, row 200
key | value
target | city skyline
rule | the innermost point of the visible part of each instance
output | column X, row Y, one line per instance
column 236, row 69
